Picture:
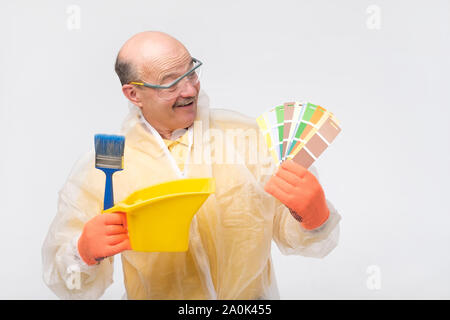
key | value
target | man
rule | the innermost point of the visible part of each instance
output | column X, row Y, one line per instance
column 230, row 236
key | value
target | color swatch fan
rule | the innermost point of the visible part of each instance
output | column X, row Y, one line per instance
column 300, row 131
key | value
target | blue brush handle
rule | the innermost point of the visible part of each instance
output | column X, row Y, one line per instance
column 109, row 193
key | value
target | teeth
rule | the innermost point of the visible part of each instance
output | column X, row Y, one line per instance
column 182, row 105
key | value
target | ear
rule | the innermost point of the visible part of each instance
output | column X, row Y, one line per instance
column 131, row 93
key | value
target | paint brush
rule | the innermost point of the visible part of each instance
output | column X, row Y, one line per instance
column 109, row 151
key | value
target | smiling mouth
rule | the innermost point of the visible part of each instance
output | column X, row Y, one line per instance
column 185, row 105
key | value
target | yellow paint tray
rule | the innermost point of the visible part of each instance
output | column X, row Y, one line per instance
column 159, row 217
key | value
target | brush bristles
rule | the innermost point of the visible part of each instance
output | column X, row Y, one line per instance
column 109, row 151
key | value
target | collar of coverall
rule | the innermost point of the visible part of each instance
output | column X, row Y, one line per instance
column 177, row 135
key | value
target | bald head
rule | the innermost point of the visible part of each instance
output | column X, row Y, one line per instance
column 142, row 51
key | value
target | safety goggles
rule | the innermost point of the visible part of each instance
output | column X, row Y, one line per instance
column 172, row 89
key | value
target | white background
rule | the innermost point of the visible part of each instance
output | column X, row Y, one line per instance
column 387, row 173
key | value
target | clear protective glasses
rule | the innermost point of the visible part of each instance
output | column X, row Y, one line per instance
column 169, row 91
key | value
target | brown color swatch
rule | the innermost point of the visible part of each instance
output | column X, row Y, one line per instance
column 303, row 159
column 329, row 130
column 316, row 145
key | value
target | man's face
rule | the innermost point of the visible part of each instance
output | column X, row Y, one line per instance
column 170, row 114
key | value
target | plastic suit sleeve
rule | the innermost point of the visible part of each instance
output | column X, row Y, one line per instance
column 64, row 272
column 292, row 239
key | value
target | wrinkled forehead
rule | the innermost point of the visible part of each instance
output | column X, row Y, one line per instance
column 166, row 68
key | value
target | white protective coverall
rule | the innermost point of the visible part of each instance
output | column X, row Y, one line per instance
column 230, row 236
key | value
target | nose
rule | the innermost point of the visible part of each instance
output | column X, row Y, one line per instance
column 188, row 89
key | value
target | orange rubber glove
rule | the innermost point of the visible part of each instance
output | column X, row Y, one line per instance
column 301, row 192
column 103, row 236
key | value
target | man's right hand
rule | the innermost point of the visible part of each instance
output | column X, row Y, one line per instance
column 103, row 236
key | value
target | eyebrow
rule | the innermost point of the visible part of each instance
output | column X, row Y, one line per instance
column 173, row 74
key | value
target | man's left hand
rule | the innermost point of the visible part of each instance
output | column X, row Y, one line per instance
column 301, row 192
